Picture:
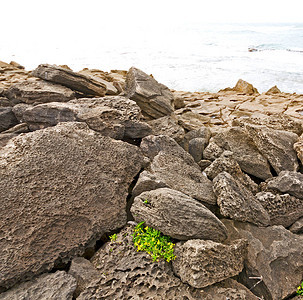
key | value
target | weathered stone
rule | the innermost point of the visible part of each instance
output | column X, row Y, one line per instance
column 286, row 183
column 75, row 81
column 4, row 102
column 19, row 128
column 227, row 163
column 297, row 227
column 53, row 286
column 276, row 146
column 273, row 90
column 179, row 102
column 298, row 147
column 237, row 202
column 39, row 92
column 202, row 263
column 192, row 121
column 196, row 147
column 84, row 272
column 154, row 99
column 128, row 274
column 5, row 137
column 246, row 153
column 61, row 189
column 275, row 254
column 204, row 163
column 244, row 87
column 7, row 118
column 177, row 215
column 19, row 110
column 282, row 209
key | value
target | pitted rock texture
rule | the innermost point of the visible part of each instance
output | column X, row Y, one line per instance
column 202, row 263
column 61, row 189
column 128, row 274
column 177, row 215
column 75, row 81
column 274, row 253
column 277, row 146
column 52, row 286
column 154, row 99
column 237, row 202
column 282, row 209
column 39, row 92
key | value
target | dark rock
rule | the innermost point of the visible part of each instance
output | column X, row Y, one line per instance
column 19, row 110
column 5, row 138
column 237, row 202
column 196, row 147
column 61, row 189
column 297, row 227
column 154, row 99
column 39, row 92
column 202, row 263
column 298, row 146
column 177, row 215
column 7, row 118
column 75, row 81
column 4, row 102
column 202, row 132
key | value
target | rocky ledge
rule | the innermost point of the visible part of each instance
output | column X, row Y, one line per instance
column 90, row 154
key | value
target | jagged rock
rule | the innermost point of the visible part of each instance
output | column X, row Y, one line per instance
column 237, row 202
column 61, row 189
column 274, row 253
column 273, row 90
column 7, row 118
column 52, row 286
column 298, row 147
column 4, row 102
column 84, row 272
column 75, row 81
column 19, row 128
column 202, row 132
column 192, row 121
column 227, row 163
column 177, row 215
column 128, row 274
column 39, row 92
column 154, row 99
column 287, row 182
column 204, row 163
column 113, row 116
column 246, row 153
column 244, row 87
column 179, row 102
column 282, row 209
column 297, row 227
column 168, row 125
column 202, row 263
column 196, row 147
column 277, row 146
column 19, row 109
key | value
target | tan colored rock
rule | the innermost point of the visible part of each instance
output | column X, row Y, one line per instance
column 298, row 146
column 273, row 90
column 245, row 87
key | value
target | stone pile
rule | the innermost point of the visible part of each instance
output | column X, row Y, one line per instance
column 87, row 154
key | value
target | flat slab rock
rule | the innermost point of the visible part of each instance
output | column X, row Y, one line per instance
column 54, row 286
column 177, row 215
column 61, row 189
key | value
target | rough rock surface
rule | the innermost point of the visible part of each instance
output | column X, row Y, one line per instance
column 297, row 227
column 282, row 209
column 61, row 188
column 237, row 202
column 245, row 87
column 274, row 253
column 7, row 118
column 154, row 99
column 246, row 153
column 298, row 146
column 273, row 90
column 276, row 146
column 190, row 120
column 75, row 81
column 177, row 215
column 52, row 286
column 202, row 263
column 39, row 92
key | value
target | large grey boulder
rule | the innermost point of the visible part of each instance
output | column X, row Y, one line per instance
column 274, row 254
column 154, row 99
column 177, row 215
column 75, row 81
column 39, row 92
column 7, row 118
column 237, row 202
column 52, row 286
column 61, row 189
column 277, row 146
column 202, row 263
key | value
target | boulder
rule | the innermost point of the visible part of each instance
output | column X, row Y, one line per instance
column 190, row 120
column 298, row 146
column 61, row 189
column 7, row 118
column 277, row 146
column 287, row 182
column 154, row 99
column 202, row 263
column 75, row 81
column 245, row 88
column 282, row 209
column 5, row 137
column 177, row 215
column 39, row 92
column 237, row 202
column 52, row 286
column 274, row 254
column 202, row 132
column 246, row 153
column 273, row 90
column 297, row 227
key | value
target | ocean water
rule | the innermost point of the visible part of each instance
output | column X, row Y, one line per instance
column 188, row 57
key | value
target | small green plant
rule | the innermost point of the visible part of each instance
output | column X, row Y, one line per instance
column 153, row 242
column 300, row 289
column 113, row 237
column 146, row 201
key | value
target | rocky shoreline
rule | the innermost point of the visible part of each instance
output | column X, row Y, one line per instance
column 87, row 154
